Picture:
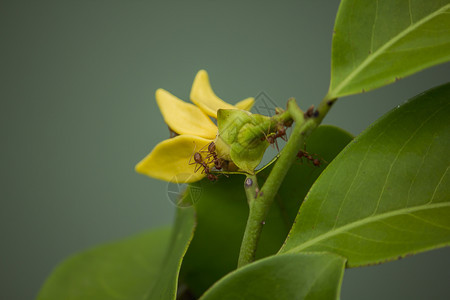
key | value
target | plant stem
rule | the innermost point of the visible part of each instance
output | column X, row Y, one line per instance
column 261, row 201
column 251, row 188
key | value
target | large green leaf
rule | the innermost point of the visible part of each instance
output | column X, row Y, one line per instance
column 387, row 194
column 377, row 42
column 283, row 277
column 121, row 270
column 222, row 213
column 142, row 267
column 166, row 284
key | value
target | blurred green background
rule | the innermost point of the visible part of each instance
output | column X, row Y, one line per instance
column 78, row 112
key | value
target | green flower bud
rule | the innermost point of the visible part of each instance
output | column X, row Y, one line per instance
column 242, row 137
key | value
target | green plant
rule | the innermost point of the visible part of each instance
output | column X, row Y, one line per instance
column 376, row 198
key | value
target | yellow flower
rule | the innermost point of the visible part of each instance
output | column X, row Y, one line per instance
column 171, row 160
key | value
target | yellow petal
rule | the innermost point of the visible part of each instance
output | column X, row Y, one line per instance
column 245, row 104
column 170, row 160
column 204, row 97
column 184, row 118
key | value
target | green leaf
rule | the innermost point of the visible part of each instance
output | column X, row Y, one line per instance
column 287, row 276
column 387, row 194
column 165, row 285
column 141, row 267
column 324, row 143
column 378, row 42
column 222, row 212
column 120, row 270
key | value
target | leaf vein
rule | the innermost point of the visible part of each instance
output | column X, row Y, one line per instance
column 388, row 44
column 429, row 222
column 400, row 151
column 438, row 185
column 365, row 221
column 373, row 26
column 417, row 174
column 324, row 199
column 378, row 241
column 396, row 227
column 410, row 12
column 357, row 172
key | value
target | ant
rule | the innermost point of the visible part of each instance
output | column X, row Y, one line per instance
column 211, row 176
column 280, row 133
column 218, row 163
column 310, row 112
column 316, row 162
column 200, row 162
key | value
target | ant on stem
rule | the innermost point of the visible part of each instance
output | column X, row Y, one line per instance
column 302, row 153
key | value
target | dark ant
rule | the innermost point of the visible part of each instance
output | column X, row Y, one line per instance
column 212, row 177
column 316, row 162
column 310, row 112
column 272, row 138
column 281, row 133
column 218, row 163
column 198, row 160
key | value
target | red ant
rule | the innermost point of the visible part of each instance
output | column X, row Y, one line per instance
column 310, row 112
column 316, row 162
column 218, row 163
column 272, row 138
column 198, row 160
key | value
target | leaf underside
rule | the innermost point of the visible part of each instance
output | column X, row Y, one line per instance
column 378, row 42
column 387, row 195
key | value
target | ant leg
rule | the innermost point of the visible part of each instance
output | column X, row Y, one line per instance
column 209, row 158
column 202, row 149
column 193, row 153
column 276, row 145
column 197, row 167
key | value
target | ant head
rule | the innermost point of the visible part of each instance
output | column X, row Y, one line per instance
column 198, row 157
column 212, row 147
column 218, row 164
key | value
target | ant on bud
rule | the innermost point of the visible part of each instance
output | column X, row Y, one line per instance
column 280, row 133
column 218, row 163
column 199, row 161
